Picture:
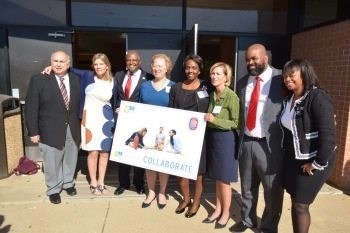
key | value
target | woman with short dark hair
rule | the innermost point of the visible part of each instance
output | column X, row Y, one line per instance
column 192, row 95
column 308, row 141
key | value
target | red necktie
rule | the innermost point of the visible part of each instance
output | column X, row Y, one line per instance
column 64, row 93
column 128, row 86
column 254, row 99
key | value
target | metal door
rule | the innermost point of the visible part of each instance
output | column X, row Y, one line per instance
column 29, row 53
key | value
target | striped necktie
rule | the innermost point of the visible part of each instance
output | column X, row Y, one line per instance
column 64, row 93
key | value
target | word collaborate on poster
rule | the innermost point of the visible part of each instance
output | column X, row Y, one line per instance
column 158, row 138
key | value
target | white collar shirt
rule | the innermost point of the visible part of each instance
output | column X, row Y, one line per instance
column 265, row 83
column 134, row 80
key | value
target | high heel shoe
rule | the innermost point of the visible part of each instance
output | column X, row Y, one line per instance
column 94, row 190
column 101, row 188
column 190, row 214
column 145, row 205
column 208, row 220
column 161, row 206
column 181, row 210
column 219, row 225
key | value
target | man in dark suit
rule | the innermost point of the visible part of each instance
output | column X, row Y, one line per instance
column 52, row 119
column 260, row 152
column 129, row 82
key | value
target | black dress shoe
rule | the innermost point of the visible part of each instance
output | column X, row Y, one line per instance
column 239, row 227
column 55, row 198
column 145, row 205
column 181, row 210
column 208, row 220
column 161, row 206
column 220, row 226
column 190, row 214
column 141, row 190
column 71, row 191
column 120, row 190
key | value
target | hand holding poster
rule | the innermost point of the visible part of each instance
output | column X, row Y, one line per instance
column 158, row 138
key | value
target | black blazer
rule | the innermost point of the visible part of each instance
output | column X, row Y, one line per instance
column 45, row 111
column 135, row 96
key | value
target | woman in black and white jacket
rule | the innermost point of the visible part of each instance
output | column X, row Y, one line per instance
column 307, row 120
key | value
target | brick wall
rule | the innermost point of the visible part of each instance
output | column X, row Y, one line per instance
column 328, row 49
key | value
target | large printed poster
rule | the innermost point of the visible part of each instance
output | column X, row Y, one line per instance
column 158, row 138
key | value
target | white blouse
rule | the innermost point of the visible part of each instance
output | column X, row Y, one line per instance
column 288, row 114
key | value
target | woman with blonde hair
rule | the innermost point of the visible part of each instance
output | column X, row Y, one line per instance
column 222, row 118
column 97, row 126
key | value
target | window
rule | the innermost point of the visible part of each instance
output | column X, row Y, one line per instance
column 152, row 14
column 319, row 11
column 256, row 16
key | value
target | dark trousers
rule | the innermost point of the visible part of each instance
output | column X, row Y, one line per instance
column 124, row 176
column 257, row 165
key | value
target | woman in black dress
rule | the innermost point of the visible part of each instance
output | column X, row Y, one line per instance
column 191, row 95
column 309, row 139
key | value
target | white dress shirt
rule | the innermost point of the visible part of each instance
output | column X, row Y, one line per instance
column 265, row 83
column 134, row 80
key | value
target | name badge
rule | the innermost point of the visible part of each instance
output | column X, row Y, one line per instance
column 167, row 89
column 217, row 109
column 202, row 94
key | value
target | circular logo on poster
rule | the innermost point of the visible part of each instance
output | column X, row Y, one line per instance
column 193, row 123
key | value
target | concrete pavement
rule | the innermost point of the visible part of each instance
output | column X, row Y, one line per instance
column 24, row 208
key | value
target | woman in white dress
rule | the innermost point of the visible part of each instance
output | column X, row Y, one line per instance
column 97, row 126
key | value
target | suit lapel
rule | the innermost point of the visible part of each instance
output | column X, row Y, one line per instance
column 243, row 99
column 73, row 90
column 275, row 98
column 120, row 80
column 275, row 93
column 137, row 88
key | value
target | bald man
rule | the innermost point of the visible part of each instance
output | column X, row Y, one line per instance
column 137, row 76
column 52, row 120
column 260, row 152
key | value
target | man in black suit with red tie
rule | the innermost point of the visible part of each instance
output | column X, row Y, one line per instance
column 52, row 119
column 129, row 82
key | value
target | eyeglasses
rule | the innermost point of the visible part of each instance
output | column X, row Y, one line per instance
column 289, row 75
